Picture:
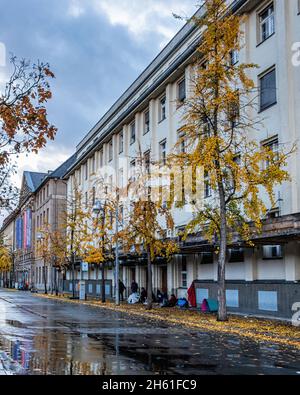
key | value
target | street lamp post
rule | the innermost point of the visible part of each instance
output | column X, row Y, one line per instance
column 72, row 246
column 97, row 209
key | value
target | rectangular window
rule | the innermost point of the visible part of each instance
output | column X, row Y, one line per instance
column 207, row 258
column 132, row 171
column 234, row 57
column 163, row 152
column 146, row 122
column 162, row 108
column 101, row 158
column 232, row 298
column 233, row 114
column 268, row 300
column 182, row 142
column 272, row 252
column 86, row 170
column 201, row 294
column 110, row 151
column 273, row 145
column 267, row 22
column 93, row 164
column 181, row 91
column 268, row 94
column 132, row 133
column 147, row 161
column 184, row 272
column 121, row 142
column 207, row 185
column 236, row 255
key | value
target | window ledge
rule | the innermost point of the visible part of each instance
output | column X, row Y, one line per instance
column 259, row 44
column 267, row 107
column 162, row 120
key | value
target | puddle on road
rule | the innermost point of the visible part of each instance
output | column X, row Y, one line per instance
column 56, row 352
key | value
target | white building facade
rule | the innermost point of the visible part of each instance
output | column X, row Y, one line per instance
column 148, row 117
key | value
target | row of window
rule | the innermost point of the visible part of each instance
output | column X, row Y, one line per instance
column 266, row 300
column 42, row 219
column 268, row 97
column 42, row 196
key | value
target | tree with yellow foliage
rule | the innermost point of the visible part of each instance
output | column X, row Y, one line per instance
column 219, row 132
column 67, row 242
column 6, row 259
column 148, row 221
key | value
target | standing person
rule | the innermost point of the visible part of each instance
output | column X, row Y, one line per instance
column 121, row 290
column 134, row 287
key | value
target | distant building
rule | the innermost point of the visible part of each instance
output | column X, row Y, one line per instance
column 42, row 200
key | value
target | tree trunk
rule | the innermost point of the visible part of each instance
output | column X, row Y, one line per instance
column 103, row 283
column 222, row 312
column 45, row 280
column 149, row 283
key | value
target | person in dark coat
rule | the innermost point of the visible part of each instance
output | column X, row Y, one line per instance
column 121, row 290
column 143, row 295
column 134, row 287
column 173, row 301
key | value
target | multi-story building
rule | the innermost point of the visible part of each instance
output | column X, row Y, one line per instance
column 42, row 201
column 148, row 116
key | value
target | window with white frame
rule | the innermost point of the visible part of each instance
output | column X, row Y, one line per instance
column 86, row 170
column 93, row 167
column 146, row 122
column 273, row 145
column 132, row 133
column 267, row 22
column 162, row 108
column 121, row 142
column 234, row 57
column 268, row 93
column 147, row 161
column 207, row 185
column 132, row 170
column 181, row 90
column 273, row 252
column 182, row 141
column 163, row 152
column 101, row 158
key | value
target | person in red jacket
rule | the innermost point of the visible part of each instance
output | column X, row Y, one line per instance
column 192, row 295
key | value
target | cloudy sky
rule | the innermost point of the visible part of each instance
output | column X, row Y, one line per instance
column 96, row 49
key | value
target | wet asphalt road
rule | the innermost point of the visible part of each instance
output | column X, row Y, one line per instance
column 39, row 336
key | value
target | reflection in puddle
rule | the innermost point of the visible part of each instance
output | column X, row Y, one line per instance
column 72, row 341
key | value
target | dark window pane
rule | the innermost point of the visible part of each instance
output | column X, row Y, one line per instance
column 268, row 90
column 181, row 91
